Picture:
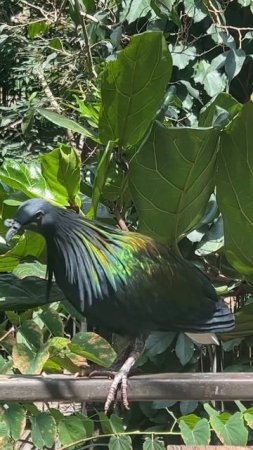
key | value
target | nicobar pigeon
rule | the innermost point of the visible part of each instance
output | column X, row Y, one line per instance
column 122, row 282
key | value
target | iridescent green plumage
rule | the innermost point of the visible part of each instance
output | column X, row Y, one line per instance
column 124, row 282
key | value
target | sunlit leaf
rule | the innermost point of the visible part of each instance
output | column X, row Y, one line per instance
column 26, row 178
column 234, row 61
column 198, row 435
column 30, row 244
column 211, row 79
column 232, row 432
column 53, row 321
column 30, row 269
column 135, row 9
column 171, row 179
column 36, row 28
column 93, row 347
column 128, row 85
column 234, row 190
column 28, row 361
column 61, row 170
column 31, row 334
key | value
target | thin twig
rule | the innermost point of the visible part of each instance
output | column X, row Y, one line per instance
column 34, row 7
column 60, row 11
column 95, row 20
column 86, row 40
column 11, row 330
column 56, row 106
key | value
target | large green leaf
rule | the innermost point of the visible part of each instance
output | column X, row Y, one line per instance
column 71, row 430
column 43, row 430
column 55, row 178
column 15, row 416
column 26, row 178
column 23, row 294
column 93, row 347
column 197, row 435
column 133, row 87
column 111, row 425
column 61, row 170
column 234, row 190
column 28, row 361
column 171, row 178
column 232, row 432
column 30, row 244
column 230, row 429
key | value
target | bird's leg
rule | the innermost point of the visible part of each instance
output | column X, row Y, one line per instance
column 120, row 376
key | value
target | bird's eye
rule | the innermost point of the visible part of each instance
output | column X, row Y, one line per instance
column 38, row 215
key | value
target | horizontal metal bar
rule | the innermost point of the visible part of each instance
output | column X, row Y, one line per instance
column 169, row 386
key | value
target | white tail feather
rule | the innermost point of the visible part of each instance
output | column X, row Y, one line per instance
column 203, row 338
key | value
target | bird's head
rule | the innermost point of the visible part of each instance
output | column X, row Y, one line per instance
column 35, row 214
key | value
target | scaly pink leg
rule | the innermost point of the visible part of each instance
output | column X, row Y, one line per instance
column 120, row 377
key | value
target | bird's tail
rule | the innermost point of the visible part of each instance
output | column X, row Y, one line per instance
column 222, row 320
column 204, row 338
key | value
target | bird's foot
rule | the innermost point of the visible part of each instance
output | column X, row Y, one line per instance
column 119, row 382
column 120, row 376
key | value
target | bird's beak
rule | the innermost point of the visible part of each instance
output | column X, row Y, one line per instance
column 14, row 228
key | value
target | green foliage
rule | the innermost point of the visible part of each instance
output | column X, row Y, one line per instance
column 199, row 434
column 43, row 431
column 15, row 418
column 229, row 428
column 61, row 170
column 234, row 187
column 96, row 349
column 128, row 84
column 152, row 145
column 172, row 178
column 45, row 177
